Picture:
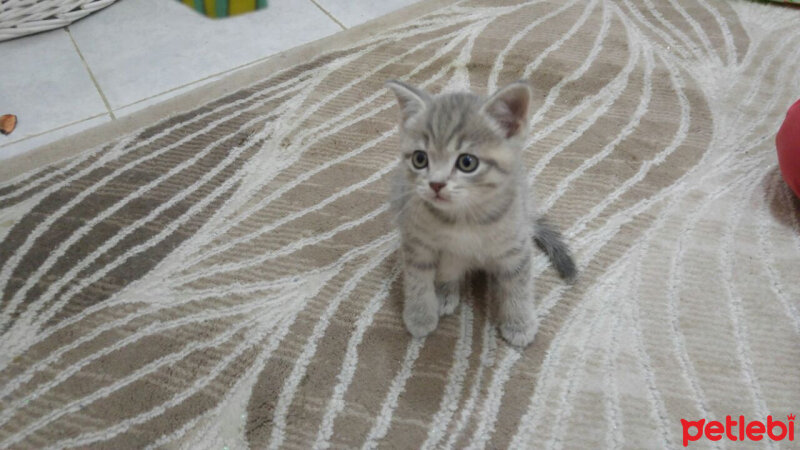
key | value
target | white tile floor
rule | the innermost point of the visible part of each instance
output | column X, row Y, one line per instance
column 136, row 53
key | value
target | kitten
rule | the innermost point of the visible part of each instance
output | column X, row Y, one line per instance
column 462, row 202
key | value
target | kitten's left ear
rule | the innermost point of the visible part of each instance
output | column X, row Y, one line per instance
column 412, row 100
column 509, row 107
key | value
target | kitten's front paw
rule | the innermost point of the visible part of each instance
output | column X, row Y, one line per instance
column 519, row 333
column 420, row 323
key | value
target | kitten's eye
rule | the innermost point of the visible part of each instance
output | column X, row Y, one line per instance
column 467, row 163
column 419, row 159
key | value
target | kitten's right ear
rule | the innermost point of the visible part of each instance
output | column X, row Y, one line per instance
column 509, row 107
column 412, row 100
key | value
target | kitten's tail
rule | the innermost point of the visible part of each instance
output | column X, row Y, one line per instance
column 550, row 241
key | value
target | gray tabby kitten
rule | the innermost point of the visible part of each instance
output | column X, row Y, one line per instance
column 462, row 202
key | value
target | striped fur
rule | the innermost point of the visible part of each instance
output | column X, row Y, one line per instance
column 479, row 218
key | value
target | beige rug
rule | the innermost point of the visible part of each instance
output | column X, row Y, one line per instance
column 228, row 277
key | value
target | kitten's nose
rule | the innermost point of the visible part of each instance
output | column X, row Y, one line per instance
column 437, row 186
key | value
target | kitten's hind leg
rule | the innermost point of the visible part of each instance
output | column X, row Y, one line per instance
column 448, row 295
column 448, row 282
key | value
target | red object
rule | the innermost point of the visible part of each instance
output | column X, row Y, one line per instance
column 788, row 143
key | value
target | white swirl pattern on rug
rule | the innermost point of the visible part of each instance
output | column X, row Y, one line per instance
column 229, row 277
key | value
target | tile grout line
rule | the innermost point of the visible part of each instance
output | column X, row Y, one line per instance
column 197, row 82
column 213, row 76
column 91, row 75
column 227, row 71
column 328, row 14
column 110, row 111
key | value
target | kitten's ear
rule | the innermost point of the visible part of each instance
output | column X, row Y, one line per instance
column 412, row 100
column 509, row 107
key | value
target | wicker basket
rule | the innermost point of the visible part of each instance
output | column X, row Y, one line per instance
column 23, row 17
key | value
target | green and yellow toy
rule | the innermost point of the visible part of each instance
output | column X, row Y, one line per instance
column 225, row 8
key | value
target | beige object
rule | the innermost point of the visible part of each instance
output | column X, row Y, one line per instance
column 7, row 123
column 228, row 275
column 23, row 17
